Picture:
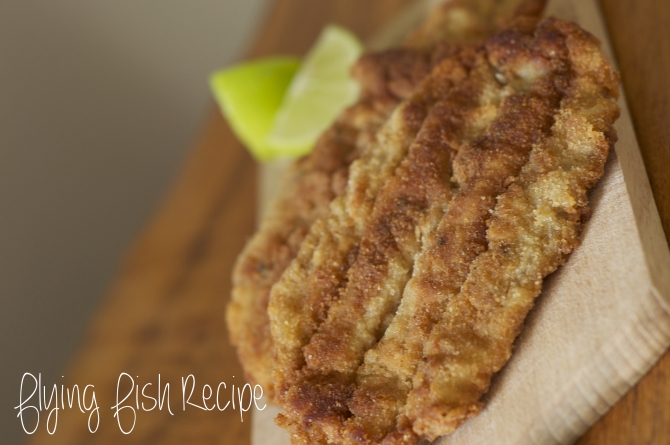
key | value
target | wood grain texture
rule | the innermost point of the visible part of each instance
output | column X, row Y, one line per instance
column 164, row 312
column 640, row 35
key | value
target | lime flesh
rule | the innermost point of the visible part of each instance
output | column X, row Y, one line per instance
column 319, row 91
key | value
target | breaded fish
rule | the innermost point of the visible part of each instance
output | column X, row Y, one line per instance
column 306, row 192
column 310, row 185
column 470, row 21
column 534, row 225
column 395, row 196
column 406, row 298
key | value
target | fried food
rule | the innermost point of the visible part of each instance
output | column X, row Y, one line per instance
column 534, row 225
column 311, row 184
column 471, row 21
column 305, row 193
column 405, row 299
column 396, row 194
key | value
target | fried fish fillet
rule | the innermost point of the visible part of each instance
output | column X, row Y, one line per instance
column 534, row 225
column 310, row 185
column 396, row 194
column 306, row 191
column 471, row 21
column 406, row 298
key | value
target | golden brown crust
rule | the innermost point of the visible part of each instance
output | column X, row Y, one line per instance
column 471, row 21
column 482, row 171
column 385, row 243
column 405, row 210
column 300, row 300
column 312, row 183
column 533, row 227
column 307, row 190
column 527, row 123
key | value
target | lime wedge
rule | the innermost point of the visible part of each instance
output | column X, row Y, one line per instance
column 319, row 91
column 249, row 95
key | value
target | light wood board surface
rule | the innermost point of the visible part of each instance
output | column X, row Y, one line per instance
column 164, row 311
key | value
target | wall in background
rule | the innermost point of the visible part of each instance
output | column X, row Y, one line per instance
column 99, row 102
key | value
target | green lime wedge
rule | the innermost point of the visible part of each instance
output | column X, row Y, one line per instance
column 249, row 95
column 319, row 91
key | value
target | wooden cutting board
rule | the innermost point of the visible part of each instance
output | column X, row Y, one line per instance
column 602, row 320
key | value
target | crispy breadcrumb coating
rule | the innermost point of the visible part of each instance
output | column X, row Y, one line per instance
column 306, row 191
column 406, row 298
column 311, row 183
column 534, row 225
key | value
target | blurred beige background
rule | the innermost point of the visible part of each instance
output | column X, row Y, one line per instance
column 99, row 102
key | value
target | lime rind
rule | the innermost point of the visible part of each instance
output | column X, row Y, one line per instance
column 249, row 95
column 278, row 107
